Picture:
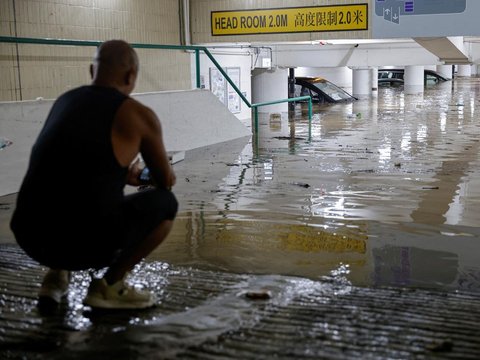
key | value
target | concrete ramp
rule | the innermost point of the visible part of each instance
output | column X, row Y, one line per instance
column 193, row 119
column 190, row 119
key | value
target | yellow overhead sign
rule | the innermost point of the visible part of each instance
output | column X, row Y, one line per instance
column 290, row 20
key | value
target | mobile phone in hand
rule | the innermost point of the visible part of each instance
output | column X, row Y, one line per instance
column 145, row 176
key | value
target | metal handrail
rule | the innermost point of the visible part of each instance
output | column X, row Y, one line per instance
column 300, row 98
column 70, row 42
column 197, row 49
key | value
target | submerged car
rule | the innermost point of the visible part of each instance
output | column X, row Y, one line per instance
column 395, row 77
column 321, row 90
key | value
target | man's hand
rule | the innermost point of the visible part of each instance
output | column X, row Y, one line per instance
column 134, row 171
column 173, row 178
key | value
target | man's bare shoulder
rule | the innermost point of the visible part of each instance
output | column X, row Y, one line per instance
column 134, row 112
column 134, row 106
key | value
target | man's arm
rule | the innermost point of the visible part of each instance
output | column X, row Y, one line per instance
column 137, row 129
column 154, row 153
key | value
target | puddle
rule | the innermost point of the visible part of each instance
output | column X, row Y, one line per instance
column 392, row 194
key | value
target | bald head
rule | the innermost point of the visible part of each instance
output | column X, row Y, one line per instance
column 115, row 64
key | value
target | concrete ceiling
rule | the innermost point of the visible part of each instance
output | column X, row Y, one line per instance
column 448, row 51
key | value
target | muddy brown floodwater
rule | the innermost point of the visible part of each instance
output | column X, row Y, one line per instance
column 384, row 191
column 302, row 242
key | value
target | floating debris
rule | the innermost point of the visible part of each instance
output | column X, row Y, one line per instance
column 368, row 171
column 4, row 143
column 441, row 346
column 258, row 295
column 305, row 185
column 430, row 188
column 288, row 138
column 356, row 115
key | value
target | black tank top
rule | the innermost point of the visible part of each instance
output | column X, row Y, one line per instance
column 73, row 170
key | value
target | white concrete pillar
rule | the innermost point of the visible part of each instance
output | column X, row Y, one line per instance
column 374, row 78
column 445, row 70
column 464, row 70
column 362, row 84
column 413, row 79
column 270, row 85
column 474, row 70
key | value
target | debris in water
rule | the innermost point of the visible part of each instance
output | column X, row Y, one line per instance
column 305, row 185
column 258, row 295
column 356, row 115
column 441, row 346
column 4, row 143
column 288, row 138
column 430, row 188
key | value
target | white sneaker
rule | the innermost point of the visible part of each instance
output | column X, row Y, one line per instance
column 117, row 296
column 54, row 286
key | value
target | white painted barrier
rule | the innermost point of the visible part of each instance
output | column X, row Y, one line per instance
column 190, row 119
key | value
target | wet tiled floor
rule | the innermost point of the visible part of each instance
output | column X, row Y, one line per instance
column 209, row 315
column 363, row 226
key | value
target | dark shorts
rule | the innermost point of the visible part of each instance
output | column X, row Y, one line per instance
column 91, row 242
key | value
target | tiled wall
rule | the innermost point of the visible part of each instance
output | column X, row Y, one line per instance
column 31, row 71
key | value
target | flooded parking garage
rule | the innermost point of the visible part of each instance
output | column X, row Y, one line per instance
column 354, row 236
column 385, row 189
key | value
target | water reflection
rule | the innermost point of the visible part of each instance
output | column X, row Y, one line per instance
column 386, row 187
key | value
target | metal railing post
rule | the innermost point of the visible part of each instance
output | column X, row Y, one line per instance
column 310, row 119
column 310, row 110
column 197, row 67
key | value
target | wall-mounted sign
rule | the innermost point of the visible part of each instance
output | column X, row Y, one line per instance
column 425, row 18
column 223, row 90
column 392, row 10
column 290, row 20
